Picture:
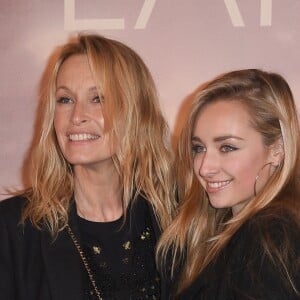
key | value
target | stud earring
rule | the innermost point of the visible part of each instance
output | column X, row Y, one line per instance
column 277, row 165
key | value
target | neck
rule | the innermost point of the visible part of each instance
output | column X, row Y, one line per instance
column 98, row 195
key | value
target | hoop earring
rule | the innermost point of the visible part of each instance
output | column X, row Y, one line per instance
column 257, row 176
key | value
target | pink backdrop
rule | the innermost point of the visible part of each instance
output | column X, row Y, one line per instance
column 184, row 43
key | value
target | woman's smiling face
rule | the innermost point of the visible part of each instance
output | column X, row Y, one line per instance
column 78, row 119
column 229, row 154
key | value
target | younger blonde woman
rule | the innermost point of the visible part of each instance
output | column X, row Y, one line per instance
column 237, row 231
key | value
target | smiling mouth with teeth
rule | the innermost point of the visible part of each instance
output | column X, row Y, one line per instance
column 82, row 137
column 217, row 185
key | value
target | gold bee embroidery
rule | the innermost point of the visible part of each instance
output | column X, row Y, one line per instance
column 127, row 245
column 145, row 234
column 96, row 249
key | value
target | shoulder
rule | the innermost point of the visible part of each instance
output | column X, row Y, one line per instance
column 140, row 205
column 11, row 209
column 271, row 234
column 13, row 232
column 266, row 254
column 13, row 204
column 141, row 209
column 273, row 225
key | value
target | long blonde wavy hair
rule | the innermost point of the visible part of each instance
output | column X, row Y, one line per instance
column 199, row 231
column 133, row 116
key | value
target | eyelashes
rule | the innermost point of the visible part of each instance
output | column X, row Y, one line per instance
column 223, row 148
column 198, row 149
column 228, row 148
column 66, row 100
column 98, row 99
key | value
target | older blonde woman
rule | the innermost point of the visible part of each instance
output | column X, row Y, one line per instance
column 102, row 187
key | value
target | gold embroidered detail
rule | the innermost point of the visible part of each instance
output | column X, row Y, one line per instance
column 127, row 245
column 125, row 260
column 103, row 265
column 145, row 234
column 96, row 249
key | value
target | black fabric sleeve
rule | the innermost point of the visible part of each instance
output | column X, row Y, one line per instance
column 7, row 286
column 260, row 275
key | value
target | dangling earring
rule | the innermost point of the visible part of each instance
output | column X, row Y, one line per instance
column 257, row 176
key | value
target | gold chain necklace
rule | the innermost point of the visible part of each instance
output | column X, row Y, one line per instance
column 84, row 260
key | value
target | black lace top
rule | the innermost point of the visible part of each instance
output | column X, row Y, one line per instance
column 121, row 258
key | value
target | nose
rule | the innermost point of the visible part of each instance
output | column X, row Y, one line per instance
column 79, row 114
column 208, row 165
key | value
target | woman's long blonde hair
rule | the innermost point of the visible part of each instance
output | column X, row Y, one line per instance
column 199, row 231
column 132, row 114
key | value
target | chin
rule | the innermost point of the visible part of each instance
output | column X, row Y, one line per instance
column 217, row 205
column 79, row 161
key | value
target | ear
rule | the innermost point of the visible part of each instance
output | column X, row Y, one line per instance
column 277, row 152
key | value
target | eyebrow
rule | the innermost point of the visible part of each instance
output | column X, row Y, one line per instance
column 219, row 138
column 63, row 87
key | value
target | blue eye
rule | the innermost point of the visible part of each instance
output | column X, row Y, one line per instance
column 64, row 100
column 228, row 148
column 198, row 149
